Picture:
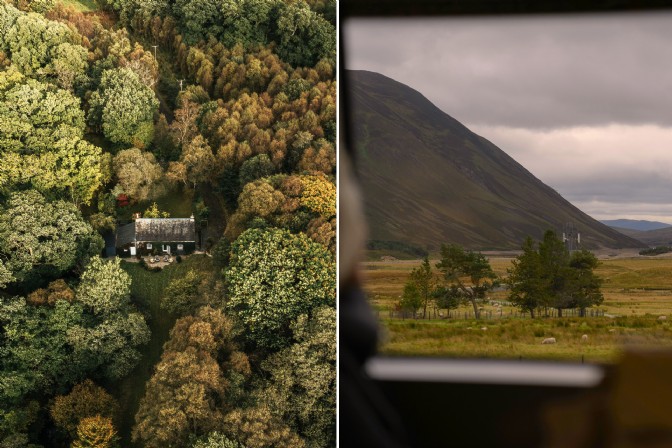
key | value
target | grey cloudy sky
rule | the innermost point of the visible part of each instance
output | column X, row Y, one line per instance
column 583, row 102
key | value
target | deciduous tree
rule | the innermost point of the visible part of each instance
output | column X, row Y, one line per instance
column 301, row 389
column 139, row 174
column 124, row 107
column 40, row 240
column 96, row 432
column 272, row 278
column 86, row 399
column 193, row 384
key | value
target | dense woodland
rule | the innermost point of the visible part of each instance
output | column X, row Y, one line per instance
column 229, row 105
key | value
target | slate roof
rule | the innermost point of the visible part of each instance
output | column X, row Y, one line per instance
column 125, row 234
column 179, row 230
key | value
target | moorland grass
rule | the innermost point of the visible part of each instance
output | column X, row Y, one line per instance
column 636, row 291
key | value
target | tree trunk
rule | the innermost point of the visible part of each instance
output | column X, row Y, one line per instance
column 477, row 313
column 532, row 313
column 559, row 312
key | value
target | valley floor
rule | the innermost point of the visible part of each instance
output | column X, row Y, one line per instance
column 637, row 290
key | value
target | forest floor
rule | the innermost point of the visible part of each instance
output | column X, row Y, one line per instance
column 637, row 290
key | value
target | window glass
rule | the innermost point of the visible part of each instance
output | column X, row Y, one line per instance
column 472, row 135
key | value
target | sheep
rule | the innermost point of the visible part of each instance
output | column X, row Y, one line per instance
column 548, row 341
column 484, row 328
column 612, row 330
column 584, row 338
column 662, row 317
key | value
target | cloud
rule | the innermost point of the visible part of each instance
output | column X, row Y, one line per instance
column 614, row 166
column 540, row 73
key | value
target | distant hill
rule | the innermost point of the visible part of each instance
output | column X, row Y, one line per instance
column 657, row 237
column 428, row 180
column 633, row 224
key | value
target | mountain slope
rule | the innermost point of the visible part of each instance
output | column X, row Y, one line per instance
column 428, row 180
column 656, row 237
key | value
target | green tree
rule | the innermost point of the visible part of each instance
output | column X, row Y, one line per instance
column 584, row 284
column 124, row 107
column 255, row 168
column 216, row 440
column 410, row 298
column 459, row 265
column 528, row 289
column 552, row 277
column 182, row 294
column 41, row 141
column 111, row 336
column 554, row 258
column 447, row 298
column 5, row 275
column 40, row 240
column 272, row 278
column 32, row 39
column 304, row 37
column 423, row 279
column 301, row 389
column 154, row 212
column 35, row 354
column 105, row 287
column 139, row 174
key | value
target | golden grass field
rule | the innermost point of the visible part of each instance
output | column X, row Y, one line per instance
column 637, row 290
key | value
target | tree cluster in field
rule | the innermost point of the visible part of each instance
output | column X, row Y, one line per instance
column 89, row 118
column 546, row 275
column 658, row 250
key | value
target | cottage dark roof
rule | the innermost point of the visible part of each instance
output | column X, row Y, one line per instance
column 165, row 229
column 125, row 234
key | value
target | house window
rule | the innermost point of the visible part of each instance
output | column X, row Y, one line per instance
column 149, row 245
column 180, row 247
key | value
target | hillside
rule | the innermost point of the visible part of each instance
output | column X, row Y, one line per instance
column 641, row 225
column 428, row 180
column 656, row 237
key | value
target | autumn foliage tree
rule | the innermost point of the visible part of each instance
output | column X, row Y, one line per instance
column 86, row 399
column 195, row 382
column 96, row 432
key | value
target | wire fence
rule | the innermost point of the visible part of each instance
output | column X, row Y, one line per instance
column 436, row 314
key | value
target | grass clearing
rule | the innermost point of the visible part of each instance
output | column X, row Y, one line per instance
column 147, row 289
column 637, row 290
column 82, row 5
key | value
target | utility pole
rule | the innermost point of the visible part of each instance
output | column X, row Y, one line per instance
column 155, row 47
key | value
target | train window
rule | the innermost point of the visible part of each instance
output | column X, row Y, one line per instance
column 472, row 134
